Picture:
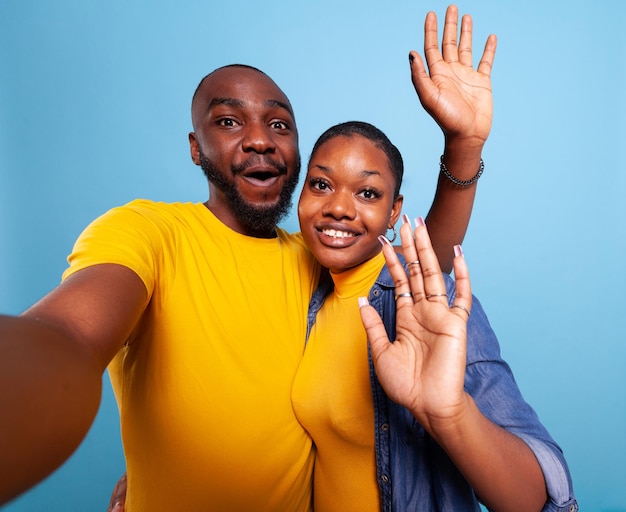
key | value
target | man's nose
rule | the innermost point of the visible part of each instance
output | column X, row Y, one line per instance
column 258, row 138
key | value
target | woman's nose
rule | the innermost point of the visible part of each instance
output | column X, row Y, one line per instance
column 340, row 204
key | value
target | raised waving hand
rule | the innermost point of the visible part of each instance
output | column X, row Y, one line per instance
column 456, row 95
column 459, row 99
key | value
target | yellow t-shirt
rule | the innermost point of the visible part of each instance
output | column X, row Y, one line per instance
column 332, row 397
column 204, row 384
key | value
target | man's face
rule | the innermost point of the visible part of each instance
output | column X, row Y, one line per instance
column 246, row 142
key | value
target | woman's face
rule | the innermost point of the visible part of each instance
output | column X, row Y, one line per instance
column 347, row 202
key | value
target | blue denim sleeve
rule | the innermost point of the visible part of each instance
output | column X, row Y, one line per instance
column 490, row 381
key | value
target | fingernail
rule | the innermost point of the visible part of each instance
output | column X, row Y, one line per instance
column 383, row 240
column 458, row 251
column 411, row 58
column 363, row 301
column 405, row 219
column 419, row 221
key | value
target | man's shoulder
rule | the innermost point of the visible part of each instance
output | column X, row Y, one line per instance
column 299, row 252
column 155, row 211
column 295, row 243
column 292, row 241
column 159, row 207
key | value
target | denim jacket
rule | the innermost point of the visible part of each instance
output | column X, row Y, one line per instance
column 413, row 471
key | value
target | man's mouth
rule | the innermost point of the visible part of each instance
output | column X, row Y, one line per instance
column 261, row 175
column 260, row 169
column 261, row 178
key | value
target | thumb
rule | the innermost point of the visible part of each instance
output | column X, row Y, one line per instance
column 376, row 333
column 419, row 75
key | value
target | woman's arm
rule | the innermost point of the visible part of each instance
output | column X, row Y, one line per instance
column 459, row 99
column 424, row 371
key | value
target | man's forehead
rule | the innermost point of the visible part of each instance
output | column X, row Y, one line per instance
column 242, row 86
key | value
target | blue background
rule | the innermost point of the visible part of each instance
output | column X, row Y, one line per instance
column 94, row 111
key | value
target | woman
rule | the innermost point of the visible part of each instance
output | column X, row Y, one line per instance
column 450, row 424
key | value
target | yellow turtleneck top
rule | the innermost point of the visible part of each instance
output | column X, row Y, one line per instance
column 332, row 397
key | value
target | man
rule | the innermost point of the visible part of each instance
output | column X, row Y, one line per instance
column 199, row 310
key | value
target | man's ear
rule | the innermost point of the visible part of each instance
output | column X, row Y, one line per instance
column 193, row 148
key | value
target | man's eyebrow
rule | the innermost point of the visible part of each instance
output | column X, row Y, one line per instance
column 280, row 104
column 232, row 102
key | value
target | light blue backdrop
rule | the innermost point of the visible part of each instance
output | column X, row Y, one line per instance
column 94, row 111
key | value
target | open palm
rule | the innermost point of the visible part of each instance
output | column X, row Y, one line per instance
column 424, row 368
column 457, row 96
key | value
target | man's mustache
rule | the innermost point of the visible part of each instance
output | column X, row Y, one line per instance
column 260, row 160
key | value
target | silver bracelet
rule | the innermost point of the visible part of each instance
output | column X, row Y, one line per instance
column 461, row 183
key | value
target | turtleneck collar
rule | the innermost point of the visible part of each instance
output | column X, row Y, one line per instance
column 357, row 281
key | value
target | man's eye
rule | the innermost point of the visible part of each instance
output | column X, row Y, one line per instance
column 226, row 122
column 280, row 125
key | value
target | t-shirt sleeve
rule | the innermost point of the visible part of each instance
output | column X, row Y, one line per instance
column 131, row 236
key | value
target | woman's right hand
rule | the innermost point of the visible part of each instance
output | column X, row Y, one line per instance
column 424, row 368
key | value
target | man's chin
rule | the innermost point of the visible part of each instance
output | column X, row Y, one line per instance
column 264, row 206
column 261, row 217
column 268, row 207
column 261, row 197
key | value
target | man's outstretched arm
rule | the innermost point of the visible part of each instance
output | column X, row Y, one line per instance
column 52, row 358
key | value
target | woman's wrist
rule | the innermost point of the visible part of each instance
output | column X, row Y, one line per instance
column 462, row 157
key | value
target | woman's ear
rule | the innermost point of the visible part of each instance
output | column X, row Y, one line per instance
column 396, row 209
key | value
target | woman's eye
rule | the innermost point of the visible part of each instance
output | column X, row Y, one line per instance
column 369, row 194
column 318, row 184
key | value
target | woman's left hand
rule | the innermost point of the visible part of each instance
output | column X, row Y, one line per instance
column 424, row 368
column 456, row 95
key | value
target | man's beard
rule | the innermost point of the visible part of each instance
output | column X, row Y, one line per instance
column 255, row 218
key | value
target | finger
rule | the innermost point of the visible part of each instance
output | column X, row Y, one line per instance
column 431, row 45
column 450, row 30
column 465, row 42
column 427, row 91
column 434, row 288
column 419, row 76
column 398, row 274
column 118, row 496
column 374, row 327
column 463, row 301
column 116, row 507
column 489, row 54
column 413, row 265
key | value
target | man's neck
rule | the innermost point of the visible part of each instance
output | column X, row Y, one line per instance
column 226, row 217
